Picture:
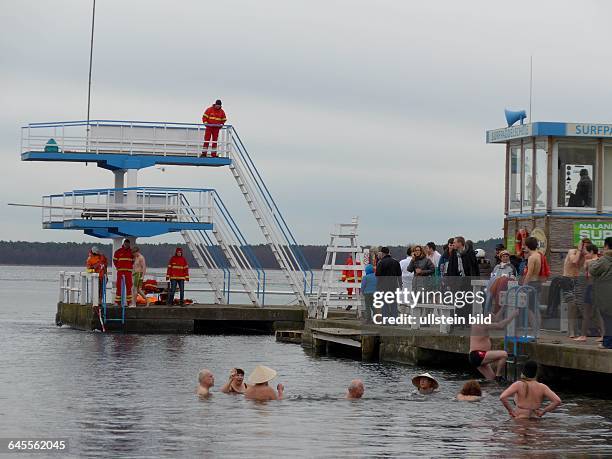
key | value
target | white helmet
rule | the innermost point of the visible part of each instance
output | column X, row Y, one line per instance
column 480, row 253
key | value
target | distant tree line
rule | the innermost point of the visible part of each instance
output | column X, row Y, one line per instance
column 157, row 255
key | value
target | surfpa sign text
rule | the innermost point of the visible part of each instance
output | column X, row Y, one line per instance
column 589, row 130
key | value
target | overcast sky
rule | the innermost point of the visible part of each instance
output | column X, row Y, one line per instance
column 369, row 108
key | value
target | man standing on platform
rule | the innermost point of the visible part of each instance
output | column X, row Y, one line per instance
column 388, row 279
column 177, row 273
column 213, row 118
column 124, row 264
column 601, row 272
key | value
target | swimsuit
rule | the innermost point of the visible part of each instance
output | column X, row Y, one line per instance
column 476, row 357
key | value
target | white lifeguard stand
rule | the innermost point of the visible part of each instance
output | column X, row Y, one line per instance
column 333, row 290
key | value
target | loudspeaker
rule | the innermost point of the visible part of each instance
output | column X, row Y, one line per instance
column 514, row 116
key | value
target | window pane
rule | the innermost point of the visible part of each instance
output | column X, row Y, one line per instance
column 528, row 183
column 514, row 181
column 608, row 176
column 541, row 175
column 576, row 175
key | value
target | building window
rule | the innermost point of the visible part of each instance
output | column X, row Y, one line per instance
column 607, row 183
column 541, row 176
column 576, row 172
column 527, row 179
column 514, row 180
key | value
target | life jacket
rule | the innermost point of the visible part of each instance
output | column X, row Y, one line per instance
column 521, row 235
column 97, row 263
column 177, row 267
column 123, row 259
column 544, row 268
column 348, row 275
column 214, row 115
column 150, row 286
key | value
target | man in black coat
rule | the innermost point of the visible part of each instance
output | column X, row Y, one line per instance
column 388, row 279
column 462, row 266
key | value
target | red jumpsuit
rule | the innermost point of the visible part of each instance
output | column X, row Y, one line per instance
column 215, row 117
column 348, row 275
column 124, row 264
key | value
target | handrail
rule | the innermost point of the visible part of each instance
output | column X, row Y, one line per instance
column 269, row 201
column 117, row 123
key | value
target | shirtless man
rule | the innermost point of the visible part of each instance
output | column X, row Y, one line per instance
column 481, row 356
column 534, row 263
column 235, row 384
column 258, row 385
column 355, row 390
column 528, row 395
column 571, row 269
column 206, row 380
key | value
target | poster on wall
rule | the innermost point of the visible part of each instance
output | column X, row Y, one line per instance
column 572, row 178
column 597, row 232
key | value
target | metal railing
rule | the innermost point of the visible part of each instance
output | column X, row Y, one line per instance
column 79, row 288
column 273, row 224
column 151, row 204
column 122, row 137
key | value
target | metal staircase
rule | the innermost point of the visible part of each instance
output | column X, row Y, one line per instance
column 269, row 219
column 239, row 258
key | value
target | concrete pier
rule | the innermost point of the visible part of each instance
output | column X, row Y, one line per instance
column 193, row 318
column 560, row 359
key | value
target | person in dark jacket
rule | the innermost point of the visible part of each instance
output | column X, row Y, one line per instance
column 422, row 267
column 389, row 279
column 601, row 272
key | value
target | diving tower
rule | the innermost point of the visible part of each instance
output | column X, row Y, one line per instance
column 128, row 210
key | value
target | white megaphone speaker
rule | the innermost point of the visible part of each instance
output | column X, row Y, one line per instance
column 514, row 116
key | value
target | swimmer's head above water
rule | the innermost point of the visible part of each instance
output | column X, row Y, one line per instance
column 355, row 389
column 425, row 383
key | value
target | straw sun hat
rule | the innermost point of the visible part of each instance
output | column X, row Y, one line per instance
column 415, row 380
column 261, row 374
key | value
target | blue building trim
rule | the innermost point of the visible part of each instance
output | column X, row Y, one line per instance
column 548, row 128
column 126, row 228
column 119, row 161
column 558, row 213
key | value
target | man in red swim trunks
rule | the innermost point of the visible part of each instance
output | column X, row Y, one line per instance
column 481, row 356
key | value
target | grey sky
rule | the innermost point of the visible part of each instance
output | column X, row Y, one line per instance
column 375, row 109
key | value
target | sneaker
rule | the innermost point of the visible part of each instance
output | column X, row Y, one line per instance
column 213, row 154
column 349, row 307
column 203, row 155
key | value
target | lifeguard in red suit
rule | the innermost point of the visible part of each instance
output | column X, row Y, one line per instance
column 213, row 118
column 123, row 259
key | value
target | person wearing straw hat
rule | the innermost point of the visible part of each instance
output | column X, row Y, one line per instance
column 425, row 383
column 259, row 389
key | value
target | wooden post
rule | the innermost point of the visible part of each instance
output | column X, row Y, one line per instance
column 95, row 294
column 549, row 177
column 599, row 163
column 507, row 180
column 533, row 175
column 522, row 176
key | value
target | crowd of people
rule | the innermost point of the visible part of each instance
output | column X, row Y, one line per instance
column 585, row 285
column 527, row 394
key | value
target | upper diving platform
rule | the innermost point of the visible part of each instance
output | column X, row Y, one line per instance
column 115, row 145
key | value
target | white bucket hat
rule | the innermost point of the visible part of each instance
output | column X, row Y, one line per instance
column 415, row 380
column 261, row 374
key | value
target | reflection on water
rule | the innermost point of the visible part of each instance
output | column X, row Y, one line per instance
column 133, row 396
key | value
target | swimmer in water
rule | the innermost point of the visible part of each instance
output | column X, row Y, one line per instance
column 235, row 384
column 425, row 383
column 258, row 385
column 355, row 390
column 528, row 395
column 470, row 392
column 206, row 380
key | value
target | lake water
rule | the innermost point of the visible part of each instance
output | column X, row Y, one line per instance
column 133, row 396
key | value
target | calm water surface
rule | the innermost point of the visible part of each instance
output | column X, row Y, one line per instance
column 133, row 396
